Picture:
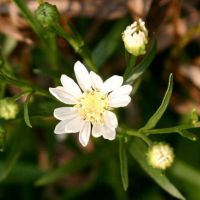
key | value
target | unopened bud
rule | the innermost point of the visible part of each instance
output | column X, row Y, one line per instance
column 160, row 156
column 8, row 109
column 135, row 38
column 47, row 15
column 194, row 116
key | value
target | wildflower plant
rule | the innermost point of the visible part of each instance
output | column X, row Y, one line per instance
column 90, row 104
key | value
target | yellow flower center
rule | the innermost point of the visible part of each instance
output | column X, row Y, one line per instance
column 92, row 105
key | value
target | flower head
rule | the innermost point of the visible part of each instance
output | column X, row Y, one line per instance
column 47, row 15
column 92, row 101
column 160, row 156
column 135, row 38
column 8, row 109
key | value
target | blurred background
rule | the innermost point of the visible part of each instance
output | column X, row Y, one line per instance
column 37, row 165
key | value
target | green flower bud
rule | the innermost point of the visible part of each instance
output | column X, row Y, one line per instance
column 8, row 109
column 160, row 156
column 2, row 138
column 47, row 15
column 135, row 38
column 194, row 116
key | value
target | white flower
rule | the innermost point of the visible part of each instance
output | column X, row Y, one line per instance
column 92, row 101
column 160, row 156
column 135, row 38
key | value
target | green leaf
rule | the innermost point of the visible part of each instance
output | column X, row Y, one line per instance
column 123, row 163
column 21, row 173
column 2, row 138
column 186, row 172
column 26, row 113
column 187, row 134
column 106, row 47
column 70, row 167
column 160, row 111
column 138, row 150
column 143, row 65
column 10, row 162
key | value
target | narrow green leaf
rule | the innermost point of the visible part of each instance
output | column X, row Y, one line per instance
column 2, row 138
column 138, row 150
column 59, row 172
column 26, row 113
column 75, row 165
column 186, row 172
column 160, row 111
column 143, row 65
column 123, row 164
column 106, row 47
column 10, row 162
column 22, row 173
column 187, row 134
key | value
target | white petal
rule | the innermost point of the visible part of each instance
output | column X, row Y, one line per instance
column 96, row 80
column 70, row 86
column 121, row 91
column 82, row 76
column 61, row 94
column 84, row 134
column 112, row 83
column 108, row 133
column 60, row 127
column 110, row 120
column 96, row 130
column 74, row 125
column 121, row 101
column 63, row 113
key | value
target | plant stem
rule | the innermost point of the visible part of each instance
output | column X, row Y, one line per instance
column 174, row 129
column 135, row 133
column 23, row 84
column 78, row 44
column 130, row 62
column 29, row 16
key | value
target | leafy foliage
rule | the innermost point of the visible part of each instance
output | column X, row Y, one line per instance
column 36, row 158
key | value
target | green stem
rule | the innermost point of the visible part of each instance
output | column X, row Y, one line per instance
column 21, row 94
column 32, row 20
column 52, row 51
column 131, row 132
column 130, row 62
column 175, row 129
column 23, row 84
column 47, row 38
column 78, row 44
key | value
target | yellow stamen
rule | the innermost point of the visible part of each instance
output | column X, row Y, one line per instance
column 92, row 105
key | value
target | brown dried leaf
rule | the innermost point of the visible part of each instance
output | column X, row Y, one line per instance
column 7, row 27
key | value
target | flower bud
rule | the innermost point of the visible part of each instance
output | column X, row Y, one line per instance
column 8, row 109
column 47, row 15
column 160, row 156
column 135, row 38
column 194, row 116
